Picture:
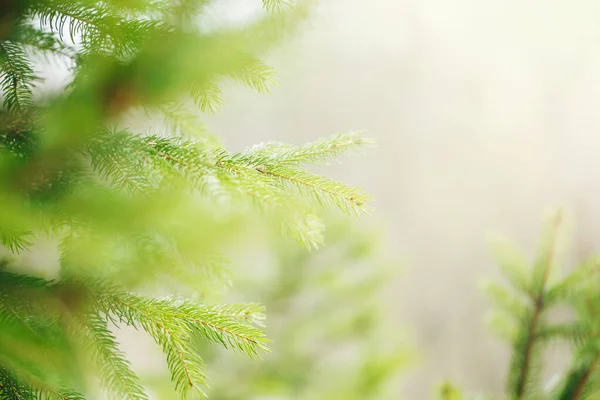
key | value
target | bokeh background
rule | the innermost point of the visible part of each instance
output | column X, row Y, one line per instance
column 485, row 116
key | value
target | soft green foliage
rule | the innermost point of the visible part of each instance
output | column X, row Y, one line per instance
column 525, row 316
column 132, row 213
column 333, row 337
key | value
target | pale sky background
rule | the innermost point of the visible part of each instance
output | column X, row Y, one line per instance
column 486, row 118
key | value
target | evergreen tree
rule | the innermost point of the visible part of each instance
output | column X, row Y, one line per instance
column 130, row 210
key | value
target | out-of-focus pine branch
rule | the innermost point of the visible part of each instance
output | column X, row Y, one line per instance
column 130, row 211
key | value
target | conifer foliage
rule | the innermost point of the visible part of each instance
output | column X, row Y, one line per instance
column 525, row 315
column 128, row 209
column 333, row 338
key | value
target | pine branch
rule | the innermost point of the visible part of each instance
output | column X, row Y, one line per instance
column 228, row 326
column 12, row 389
column 253, row 73
column 216, row 174
column 181, row 121
column 42, row 362
column 117, row 377
column 138, row 8
column 208, row 97
column 579, row 376
column 95, row 26
column 306, row 228
column 251, row 313
column 524, row 346
column 504, row 299
column 129, row 36
column 17, row 77
column 16, row 241
column 173, row 337
column 572, row 286
column 48, row 394
column 280, row 165
column 164, row 255
column 142, row 163
column 173, row 323
column 523, row 353
column 276, row 5
column 115, row 157
column 219, row 325
column 78, row 19
column 187, row 265
column 185, row 365
column 297, row 219
column 514, row 266
column 320, row 151
column 43, row 42
column 321, row 191
column 504, row 325
column 574, row 333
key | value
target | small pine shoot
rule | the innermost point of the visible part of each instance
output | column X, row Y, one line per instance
column 523, row 317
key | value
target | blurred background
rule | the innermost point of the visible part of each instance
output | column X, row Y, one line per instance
column 485, row 117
